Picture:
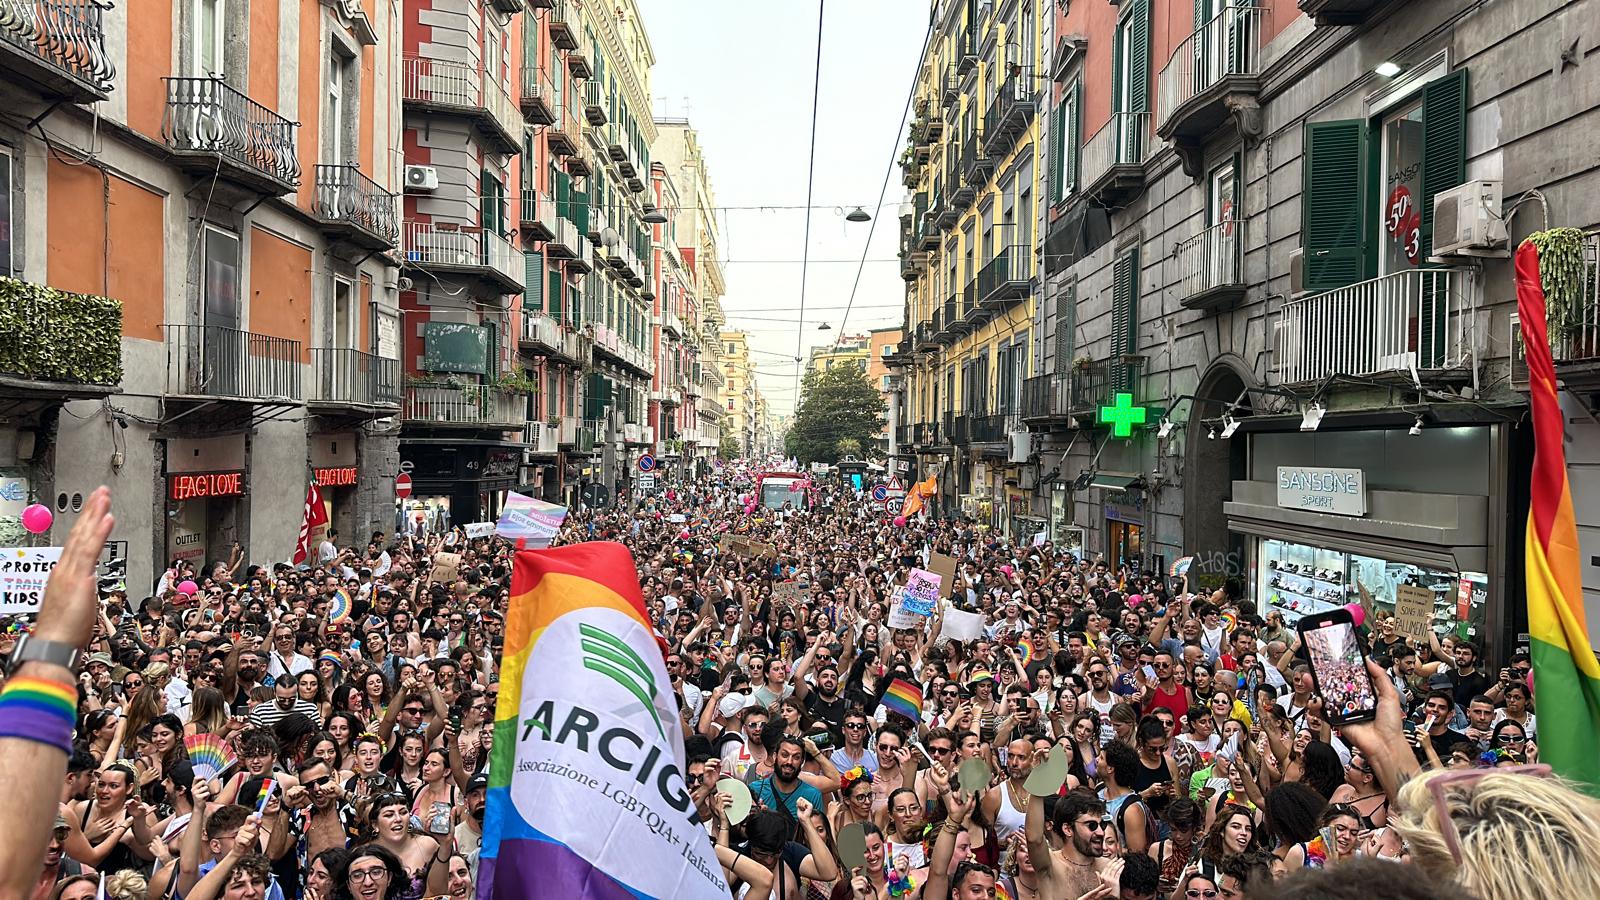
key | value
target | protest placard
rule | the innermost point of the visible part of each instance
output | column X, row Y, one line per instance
column 530, row 520
column 920, row 592
column 945, row 567
column 900, row 617
column 960, row 625
column 446, row 567
column 786, row 593
column 1413, row 612
column 24, row 572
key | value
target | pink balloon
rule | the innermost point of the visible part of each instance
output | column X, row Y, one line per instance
column 684, row 534
column 37, row 518
column 900, row 521
column 1358, row 615
column 188, row 587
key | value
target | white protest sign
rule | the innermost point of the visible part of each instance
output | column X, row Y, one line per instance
column 24, row 571
column 900, row 617
column 962, row 626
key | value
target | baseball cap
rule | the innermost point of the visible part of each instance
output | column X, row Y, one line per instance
column 732, row 704
column 479, row 782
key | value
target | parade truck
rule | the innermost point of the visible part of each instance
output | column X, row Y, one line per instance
column 777, row 488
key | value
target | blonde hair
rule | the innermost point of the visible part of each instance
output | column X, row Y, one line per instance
column 126, row 885
column 1518, row 833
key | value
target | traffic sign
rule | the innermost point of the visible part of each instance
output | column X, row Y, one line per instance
column 894, row 505
column 647, row 463
column 880, row 493
column 647, row 482
column 402, row 485
column 895, row 484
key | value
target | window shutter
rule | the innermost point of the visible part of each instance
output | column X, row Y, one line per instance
column 1333, row 228
column 1139, row 90
column 1074, row 136
column 1066, row 300
column 1058, row 184
column 1124, row 317
column 553, row 299
column 1444, row 144
column 533, row 281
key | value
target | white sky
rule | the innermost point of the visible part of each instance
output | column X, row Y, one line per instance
column 741, row 72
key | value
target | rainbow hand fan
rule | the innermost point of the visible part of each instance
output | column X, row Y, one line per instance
column 209, row 754
column 1026, row 651
column 339, row 607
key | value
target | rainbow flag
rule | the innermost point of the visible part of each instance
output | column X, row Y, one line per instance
column 1566, row 674
column 586, row 791
column 904, row 698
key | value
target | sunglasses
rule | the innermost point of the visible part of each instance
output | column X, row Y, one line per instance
column 1509, row 738
column 1438, row 783
column 855, row 726
column 1206, row 893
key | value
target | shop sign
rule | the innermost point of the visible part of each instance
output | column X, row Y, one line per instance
column 336, row 476
column 193, row 485
column 1342, row 492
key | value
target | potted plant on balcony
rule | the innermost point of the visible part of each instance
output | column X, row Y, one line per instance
column 1564, row 274
column 554, row 422
column 517, row 383
column 1082, row 363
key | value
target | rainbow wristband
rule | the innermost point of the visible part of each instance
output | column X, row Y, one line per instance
column 39, row 710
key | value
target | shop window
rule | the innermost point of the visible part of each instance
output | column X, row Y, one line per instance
column 1401, row 160
column 1299, row 580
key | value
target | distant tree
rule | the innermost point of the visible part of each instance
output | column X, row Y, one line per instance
column 849, row 447
column 836, row 405
column 727, row 448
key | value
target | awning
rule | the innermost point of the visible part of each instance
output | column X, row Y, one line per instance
column 1112, row 481
column 1445, row 559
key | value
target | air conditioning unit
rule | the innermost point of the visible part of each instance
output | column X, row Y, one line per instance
column 422, row 179
column 1021, row 447
column 1518, row 353
column 1297, row 273
column 1467, row 217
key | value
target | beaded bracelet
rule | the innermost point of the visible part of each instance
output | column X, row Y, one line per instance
column 39, row 710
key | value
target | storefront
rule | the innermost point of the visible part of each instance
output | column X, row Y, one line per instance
column 456, row 482
column 334, row 466
column 1328, row 517
column 205, row 515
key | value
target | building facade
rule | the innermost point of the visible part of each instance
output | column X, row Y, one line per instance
column 198, row 275
column 1277, row 324
column 740, row 393
column 968, row 251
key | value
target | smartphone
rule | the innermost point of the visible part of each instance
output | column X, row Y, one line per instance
column 1339, row 667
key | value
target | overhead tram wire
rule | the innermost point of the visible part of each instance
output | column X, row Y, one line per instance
column 894, row 157
column 811, row 172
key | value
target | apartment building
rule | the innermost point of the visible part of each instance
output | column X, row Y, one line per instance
column 677, row 149
column 1276, row 255
column 674, row 343
column 881, row 345
column 968, row 248
column 199, row 210
column 739, row 392
column 848, row 350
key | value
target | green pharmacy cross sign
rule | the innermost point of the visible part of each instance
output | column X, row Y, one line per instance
column 1122, row 415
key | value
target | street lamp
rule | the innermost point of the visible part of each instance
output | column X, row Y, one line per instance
column 857, row 215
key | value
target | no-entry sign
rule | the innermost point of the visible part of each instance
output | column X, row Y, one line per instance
column 402, row 485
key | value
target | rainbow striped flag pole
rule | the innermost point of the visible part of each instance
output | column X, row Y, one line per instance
column 1566, row 673
column 586, row 791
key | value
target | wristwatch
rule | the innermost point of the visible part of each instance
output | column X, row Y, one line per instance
column 32, row 649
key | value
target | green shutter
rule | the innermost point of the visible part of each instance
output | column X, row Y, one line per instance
column 1074, row 136
column 1066, row 301
column 563, row 195
column 1058, row 185
column 553, row 299
column 533, row 281
column 1333, row 229
column 1444, row 144
column 1124, row 317
column 1139, row 91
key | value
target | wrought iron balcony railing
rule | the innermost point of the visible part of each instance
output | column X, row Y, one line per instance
column 465, row 249
column 1228, row 44
column 205, row 116
column 58, row 45
column 468, row 405
column 1210, row 265
column 1403, row 322
column 347, row 377
column 349, row 200
column 444, row 84
column 211, row 361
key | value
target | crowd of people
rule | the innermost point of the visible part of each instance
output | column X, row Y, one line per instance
column 325, row 731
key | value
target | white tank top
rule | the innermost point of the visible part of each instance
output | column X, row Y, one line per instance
column 1009, row 820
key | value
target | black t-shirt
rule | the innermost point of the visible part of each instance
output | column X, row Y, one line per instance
column 829, row 711
column 1443, row 744
column 1465, row 687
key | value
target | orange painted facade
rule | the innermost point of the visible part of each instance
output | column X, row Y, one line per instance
column 151, row 32
column 280, row 288
column 263, row 54
column 127, row 262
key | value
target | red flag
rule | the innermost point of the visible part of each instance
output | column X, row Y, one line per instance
column 315, row 515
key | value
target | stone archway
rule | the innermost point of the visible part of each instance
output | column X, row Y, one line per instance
column 1211, row 466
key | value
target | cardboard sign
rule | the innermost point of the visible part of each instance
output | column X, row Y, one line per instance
column 786, row 593
column 920, row 593
column 24, row 572
column 900, row 617
column 944, row 567
column 446, row 567
column 1413, row 612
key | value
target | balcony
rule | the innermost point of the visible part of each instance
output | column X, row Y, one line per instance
column 990, row 429
column 456, row 88
column 541, row 334
column 564, row 135
column 974, row 313
column 56, row 48
column 1113, row 159
column 542, row 438
column 354, row 208
column 1338, row 12
column 945, row 319
column 509, row 7
column 638, row 434
column 57, row 345
column 966, row 49
column 1013, row 105
column 578, row 65
column 443, row 405
column 578, row 165
column 976, row 163
column 668, row 397
column 594, row 104
column 583, row 258
column 218, row 131
column 671, row 324
column 1006, row 278
column 210, row 362
column 591, row 434
column 1401, row 325
column 1092, row 386
column 950, row 88
column 538, row 217
column 961, row 431
column 450, row 248
column 353, row 383
column 563, row 242
column 1212, row 78
column 1047, row 398
column 563, row 26
column 538, row 101
column 1575, row 344
column 961, row 193
column 567, row 433
column 912, row 265
column 1211, row 269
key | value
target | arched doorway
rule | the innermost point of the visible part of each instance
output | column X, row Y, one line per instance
column 1212, row 465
